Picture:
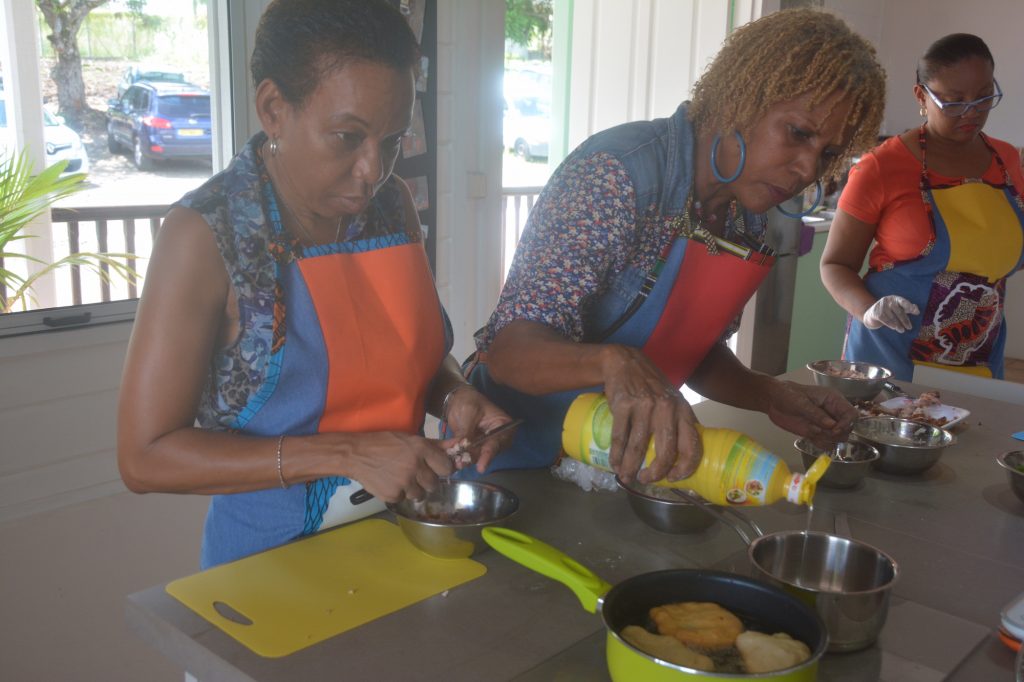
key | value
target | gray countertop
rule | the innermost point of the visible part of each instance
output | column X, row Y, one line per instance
column 957, row 533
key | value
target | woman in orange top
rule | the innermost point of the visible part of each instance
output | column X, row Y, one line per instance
column 944, row 206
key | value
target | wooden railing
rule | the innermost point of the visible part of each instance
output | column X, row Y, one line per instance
column 516, row 204
column 100, row 217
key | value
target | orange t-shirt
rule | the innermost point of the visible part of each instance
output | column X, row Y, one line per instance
column 883, row 190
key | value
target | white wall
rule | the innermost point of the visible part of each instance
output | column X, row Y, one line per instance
column 638, row 59
column 470, row 56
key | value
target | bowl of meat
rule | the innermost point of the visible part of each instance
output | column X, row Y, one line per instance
column 1013, row 463
column 850, row 461
column 663, row 510
column 447, row 522
column 856, row 380
column 906, row 446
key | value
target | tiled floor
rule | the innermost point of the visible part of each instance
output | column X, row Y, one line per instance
column 1014, row 370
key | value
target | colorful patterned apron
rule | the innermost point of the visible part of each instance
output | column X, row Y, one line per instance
column 682, row 310
column 364, row 337
column 958, row 283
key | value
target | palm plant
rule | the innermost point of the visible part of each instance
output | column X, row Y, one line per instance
column 23, row 197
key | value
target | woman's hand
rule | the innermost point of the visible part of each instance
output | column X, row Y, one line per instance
column 818, row 413
column 890, row 311
column 470, row 415
column 396, row 466
column 644, row 404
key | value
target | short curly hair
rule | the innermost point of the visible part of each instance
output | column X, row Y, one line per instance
column 786, row 55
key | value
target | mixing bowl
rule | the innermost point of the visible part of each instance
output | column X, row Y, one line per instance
column 1013, row 462
column 846, row 581
column 447, row 523
column 905, row 446
column 850, row 463
column 663, row 510
column 864, row 385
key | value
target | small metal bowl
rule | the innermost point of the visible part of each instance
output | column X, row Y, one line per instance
column 850, row 463
column 854, row 389
column 663, row 511
column 906, row 446
column 447, row 523
column 1013, row 462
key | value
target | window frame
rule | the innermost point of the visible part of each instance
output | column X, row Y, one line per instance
column 226, row 26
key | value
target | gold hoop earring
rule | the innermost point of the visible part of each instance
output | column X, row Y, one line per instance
column 273, row 146
column 922, row 112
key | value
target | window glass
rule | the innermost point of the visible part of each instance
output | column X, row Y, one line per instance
column 135, row 160
column 184, row 105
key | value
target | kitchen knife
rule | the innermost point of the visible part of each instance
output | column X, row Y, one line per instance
column 362, row 495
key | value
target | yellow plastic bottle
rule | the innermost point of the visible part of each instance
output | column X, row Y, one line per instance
column 735, row 470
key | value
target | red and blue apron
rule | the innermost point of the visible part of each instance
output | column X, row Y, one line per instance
column 682, row 309
column 363, row 337
column 958, row 283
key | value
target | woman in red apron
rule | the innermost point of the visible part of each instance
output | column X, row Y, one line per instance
column 648, row 241
column 943, row 204
column 289, row 340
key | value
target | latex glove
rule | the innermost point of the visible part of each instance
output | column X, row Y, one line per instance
column 891, row 311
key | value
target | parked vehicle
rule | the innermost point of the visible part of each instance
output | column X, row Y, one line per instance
column 153, row 73
column 60, row 141
column 158, row 121
column 527, row 126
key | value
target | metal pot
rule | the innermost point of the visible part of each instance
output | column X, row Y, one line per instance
column 629, row 602
column 847, row 582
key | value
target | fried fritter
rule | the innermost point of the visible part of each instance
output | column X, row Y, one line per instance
column 666, row 648
column 767, row 653
column 700, row 624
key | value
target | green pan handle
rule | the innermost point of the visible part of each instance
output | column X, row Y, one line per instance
column 547, row 560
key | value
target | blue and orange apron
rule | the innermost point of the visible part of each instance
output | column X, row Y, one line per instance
column 958, row 283
column 363, row 338
column 682, row 309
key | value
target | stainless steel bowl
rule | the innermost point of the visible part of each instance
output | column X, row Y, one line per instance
column 850, row 463
column 855, row 389
column 662, row 510
column 906, row 446
column 1013, row 462
column 847, row 582
column 447, row 523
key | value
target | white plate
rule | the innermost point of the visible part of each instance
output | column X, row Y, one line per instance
column 952, row 415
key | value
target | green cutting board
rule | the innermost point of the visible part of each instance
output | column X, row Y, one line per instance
column 296, row 595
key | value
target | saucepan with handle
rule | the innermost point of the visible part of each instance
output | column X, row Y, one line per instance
column 760, row 606
column 848, row 582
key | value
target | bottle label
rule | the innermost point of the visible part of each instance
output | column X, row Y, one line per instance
column 747, row 473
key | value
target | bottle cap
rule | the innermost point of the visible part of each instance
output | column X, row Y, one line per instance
column 803, row 490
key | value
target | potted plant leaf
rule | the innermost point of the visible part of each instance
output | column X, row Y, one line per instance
column 23, row 197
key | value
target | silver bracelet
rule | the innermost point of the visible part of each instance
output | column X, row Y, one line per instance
column 280, row 472
column 448, row 399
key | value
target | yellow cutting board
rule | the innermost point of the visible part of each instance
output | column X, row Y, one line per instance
column 304, row 592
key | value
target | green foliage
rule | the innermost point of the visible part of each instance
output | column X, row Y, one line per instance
column 23, row 197
column 528, row 21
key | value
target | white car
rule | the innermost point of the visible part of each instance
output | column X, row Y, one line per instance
column 60, row 141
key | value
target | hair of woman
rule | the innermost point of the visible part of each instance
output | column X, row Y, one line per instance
column 298, row 42
column 786, row 55
column 950, row 50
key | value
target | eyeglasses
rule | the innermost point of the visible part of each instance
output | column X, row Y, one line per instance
column 958, row 109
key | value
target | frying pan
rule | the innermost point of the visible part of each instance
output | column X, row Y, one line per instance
column 628, row 603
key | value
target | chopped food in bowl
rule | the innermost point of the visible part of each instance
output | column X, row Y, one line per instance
column 855, row 380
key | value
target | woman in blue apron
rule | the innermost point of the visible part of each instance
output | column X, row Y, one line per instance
column 290, row 340
column 649, row 239
column 943, row 204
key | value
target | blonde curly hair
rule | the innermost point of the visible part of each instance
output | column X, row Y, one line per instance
column 786, row 55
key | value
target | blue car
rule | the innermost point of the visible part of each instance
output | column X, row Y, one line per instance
column 158, row 121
